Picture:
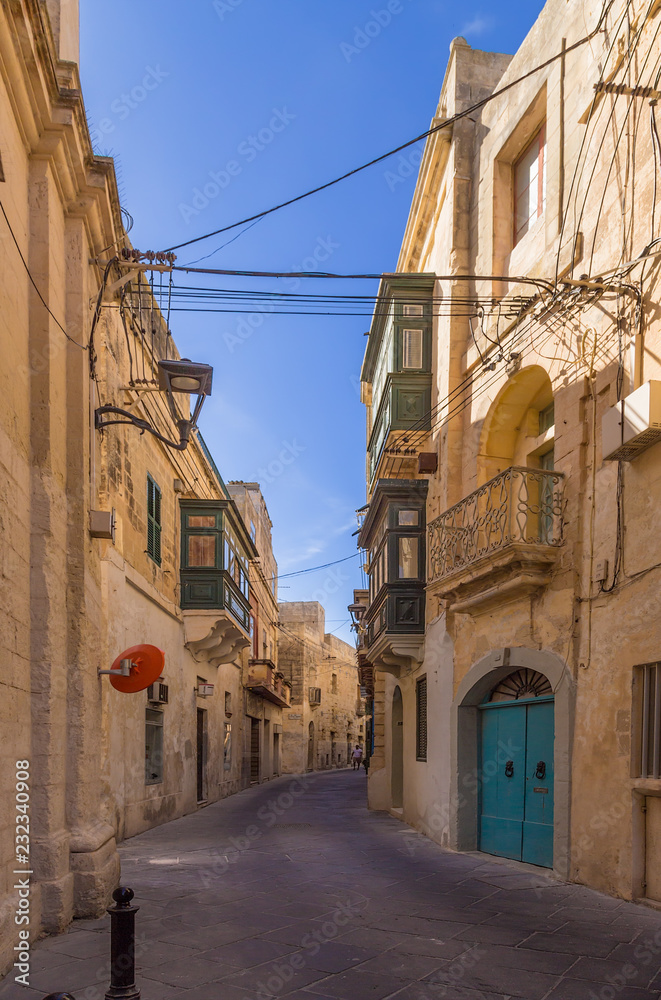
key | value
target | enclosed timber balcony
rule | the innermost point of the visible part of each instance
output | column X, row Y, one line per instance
column 215, row 555
column 498, row 543
column 405, row 406
column 267, row 682
column 393, row 534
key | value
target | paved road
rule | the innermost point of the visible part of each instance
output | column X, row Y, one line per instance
column 293, row 889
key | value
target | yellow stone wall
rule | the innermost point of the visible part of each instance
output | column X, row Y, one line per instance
column 308, row 656
column 460, row 223
column 71, row 603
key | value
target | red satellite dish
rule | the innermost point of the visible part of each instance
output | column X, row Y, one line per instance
column 147, row 664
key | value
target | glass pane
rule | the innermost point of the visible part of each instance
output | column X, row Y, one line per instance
column 153, row 748
column 408, row 558
column 201, row 550
column 546, row 418
column 227, row 747
column 530, row 186
column 201, row 520
column 412, row 351
column 409, row 517
column 413, row 310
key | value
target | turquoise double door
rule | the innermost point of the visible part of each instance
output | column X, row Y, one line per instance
column 516, row 780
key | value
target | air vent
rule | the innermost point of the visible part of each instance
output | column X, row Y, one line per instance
column 158, row 693
column 634, row 425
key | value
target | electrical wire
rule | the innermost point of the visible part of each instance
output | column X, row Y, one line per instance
column 71, row 339
column 423, row 135
column 575, row 174
column 617, row 144
column 314, row 569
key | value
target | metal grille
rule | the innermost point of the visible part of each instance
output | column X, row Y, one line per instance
column 421, row 719
column 650, row 748
column 517, row 506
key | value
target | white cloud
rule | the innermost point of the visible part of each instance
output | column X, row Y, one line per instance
column 477, row 26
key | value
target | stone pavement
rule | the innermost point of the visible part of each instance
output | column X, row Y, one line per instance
column 293, row 889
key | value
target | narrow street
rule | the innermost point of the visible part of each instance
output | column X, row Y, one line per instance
column 293, row 889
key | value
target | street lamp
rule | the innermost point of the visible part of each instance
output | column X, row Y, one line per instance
column 182, row 376
column 357, row 612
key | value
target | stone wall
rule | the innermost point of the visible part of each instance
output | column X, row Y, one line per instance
column 310, row 658
column 583, row 349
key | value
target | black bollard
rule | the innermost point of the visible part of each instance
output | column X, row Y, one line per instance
column 122, row 947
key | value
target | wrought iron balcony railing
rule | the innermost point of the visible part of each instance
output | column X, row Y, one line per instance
column 519, row 506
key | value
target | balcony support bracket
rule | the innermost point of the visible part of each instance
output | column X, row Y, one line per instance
column 213, row 637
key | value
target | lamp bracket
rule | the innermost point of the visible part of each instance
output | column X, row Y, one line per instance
column 185, row 426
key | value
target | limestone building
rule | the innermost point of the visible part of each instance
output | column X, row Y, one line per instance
column 511, row 631
column 326, row 716
column 111, row 538
column 266, row 692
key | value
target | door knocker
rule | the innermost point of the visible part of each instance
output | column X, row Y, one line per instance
column 509, row 768
column 540, row 773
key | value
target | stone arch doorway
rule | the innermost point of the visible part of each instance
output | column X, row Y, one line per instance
column 311, row 747
column 397, row 744
column 475, row 690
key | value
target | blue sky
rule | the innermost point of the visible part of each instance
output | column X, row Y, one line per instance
column 217, row 110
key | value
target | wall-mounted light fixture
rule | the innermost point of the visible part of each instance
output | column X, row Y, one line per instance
column 357, row 612
column 182, row 376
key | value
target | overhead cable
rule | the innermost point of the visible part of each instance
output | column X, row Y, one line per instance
column 446, row 123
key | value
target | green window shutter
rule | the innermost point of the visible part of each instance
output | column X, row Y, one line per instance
column 153, row 520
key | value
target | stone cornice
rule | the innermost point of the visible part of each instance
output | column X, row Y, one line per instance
column 46, row 99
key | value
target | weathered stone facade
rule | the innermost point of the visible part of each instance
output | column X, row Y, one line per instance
column 267, row 693
column 326, row 716
column 76, row 333
column 535, row 335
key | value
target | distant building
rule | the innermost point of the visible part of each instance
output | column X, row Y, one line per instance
column 326, row 715
column 266, row 692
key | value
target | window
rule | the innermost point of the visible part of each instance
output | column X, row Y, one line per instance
column 408, row 558
column 153, row 747
column 214, row 559
column 254, row 638
column 529, row 178
column 412, row 348
column 413, row 310
column 228, row 703
column 153, row 521
column 421, row 719
column 253, row 531
column 408, row 518
column 649, row 744
column 227, row 746
column 334, row 684
column 546, row 418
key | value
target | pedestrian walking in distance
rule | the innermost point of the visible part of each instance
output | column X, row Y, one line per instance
column 356, row 757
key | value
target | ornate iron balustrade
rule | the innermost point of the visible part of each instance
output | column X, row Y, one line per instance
column 518, row 506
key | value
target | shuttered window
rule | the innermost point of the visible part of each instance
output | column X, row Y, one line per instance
column 153, row 520
column 412, row 349
column 421, row 719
